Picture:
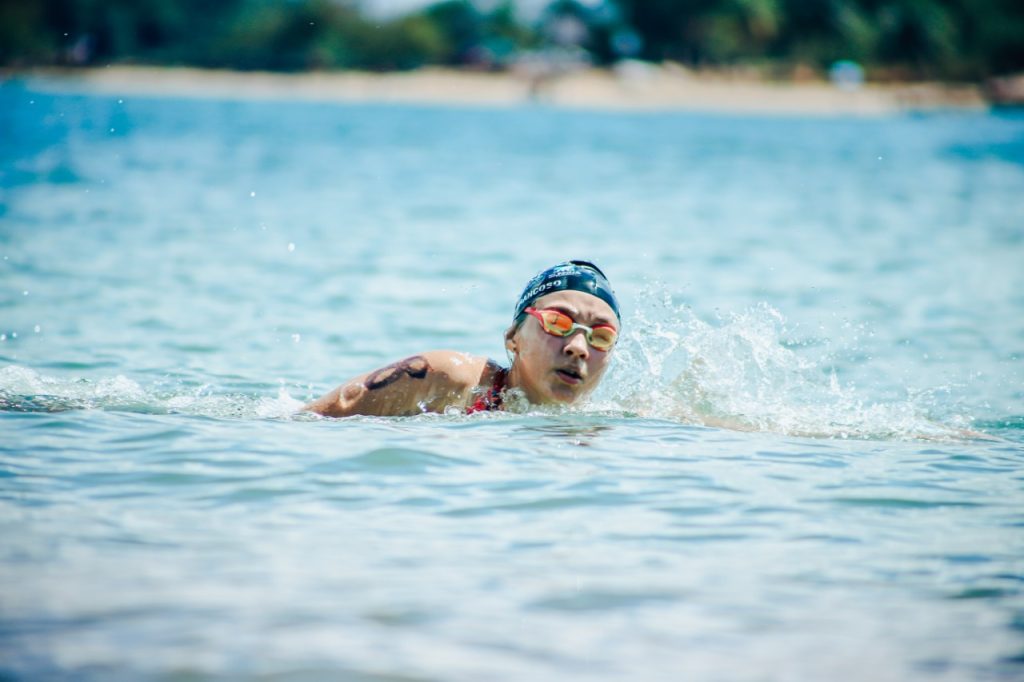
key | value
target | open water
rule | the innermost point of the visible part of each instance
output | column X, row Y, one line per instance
column 178, row 275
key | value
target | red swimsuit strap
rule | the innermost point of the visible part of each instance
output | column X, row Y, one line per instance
column 491, row 400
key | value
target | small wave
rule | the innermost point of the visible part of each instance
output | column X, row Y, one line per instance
column 25, row 390
column 397, row 460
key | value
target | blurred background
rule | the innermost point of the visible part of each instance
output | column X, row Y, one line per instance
column 882, row 40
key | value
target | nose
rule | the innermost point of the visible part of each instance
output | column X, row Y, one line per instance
column 576, row 346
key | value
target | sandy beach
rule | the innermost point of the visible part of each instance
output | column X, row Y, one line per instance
column 634, row 86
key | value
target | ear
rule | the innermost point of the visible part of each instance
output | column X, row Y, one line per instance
column 510, row 340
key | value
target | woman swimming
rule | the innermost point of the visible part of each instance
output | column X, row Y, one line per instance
column 550, row 362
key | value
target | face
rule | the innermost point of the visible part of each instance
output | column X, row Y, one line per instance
column 553, row 369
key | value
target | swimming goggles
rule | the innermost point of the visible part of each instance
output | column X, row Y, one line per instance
column 600, row 336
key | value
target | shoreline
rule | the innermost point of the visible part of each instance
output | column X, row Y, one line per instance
column 630, row 87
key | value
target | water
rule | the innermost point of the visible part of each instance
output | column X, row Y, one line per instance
column 177, row 276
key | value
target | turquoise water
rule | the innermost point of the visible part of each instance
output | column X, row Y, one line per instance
column 177, row 276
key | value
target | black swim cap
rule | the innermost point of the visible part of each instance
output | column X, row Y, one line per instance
column 577, row 275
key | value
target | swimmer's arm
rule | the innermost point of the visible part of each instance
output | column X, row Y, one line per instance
column 429, row 382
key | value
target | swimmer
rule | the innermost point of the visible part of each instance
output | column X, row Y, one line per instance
column 563, row 332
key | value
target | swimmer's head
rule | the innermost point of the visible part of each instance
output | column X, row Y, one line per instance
column 562, row 358
column 573, row 275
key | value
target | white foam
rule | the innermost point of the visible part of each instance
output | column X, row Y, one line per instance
column 284, row 405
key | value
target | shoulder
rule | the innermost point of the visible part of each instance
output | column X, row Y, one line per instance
column 461, row 370
column 458, row 379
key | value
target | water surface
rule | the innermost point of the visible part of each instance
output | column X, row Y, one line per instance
column 177, row 276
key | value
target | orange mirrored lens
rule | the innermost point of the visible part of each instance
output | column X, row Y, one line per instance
column 557, row 323
column 603, row 338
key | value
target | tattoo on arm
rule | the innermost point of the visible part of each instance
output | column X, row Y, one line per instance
column 416, row 367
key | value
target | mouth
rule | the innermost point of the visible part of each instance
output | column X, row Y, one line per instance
column 569, row 375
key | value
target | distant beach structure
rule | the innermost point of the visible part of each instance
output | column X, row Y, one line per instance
column 847, row 75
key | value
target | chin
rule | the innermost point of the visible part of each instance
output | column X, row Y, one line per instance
column 564, row 395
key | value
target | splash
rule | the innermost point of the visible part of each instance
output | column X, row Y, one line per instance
column 744, row 374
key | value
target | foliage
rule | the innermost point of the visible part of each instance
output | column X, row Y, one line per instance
column 930, row 38
column 966, row 39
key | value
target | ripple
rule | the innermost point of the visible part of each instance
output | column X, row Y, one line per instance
column 253, row 494
column 161, row 436
column 899, row 502
column 548, row 504
column 695, row 510
column 983, row 593
column 603, row 600
column 391, row 460
column 78, row 365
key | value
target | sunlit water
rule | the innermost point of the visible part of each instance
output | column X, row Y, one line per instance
column 177, row 276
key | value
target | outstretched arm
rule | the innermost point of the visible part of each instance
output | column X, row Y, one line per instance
column 429, row 382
